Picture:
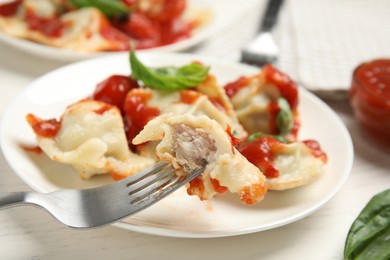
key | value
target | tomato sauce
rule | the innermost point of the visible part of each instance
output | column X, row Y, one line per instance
column 32, row 149
column 51, row 27
column 217, row 186
column 261, row 152
column 157, row 26
column 137, row 113
column 370, row 99
column 287, row 87
column 273, row 109
column 196, row 185
column 119, row 41
column 234, row 87
column 218, row 103
column 189, row 96
column 233, row 140
column 103, row 109
column 316, row 150
column 44, row 128
column 9, row 9
column 254, row 194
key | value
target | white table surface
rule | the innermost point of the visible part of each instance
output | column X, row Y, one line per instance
column 30, row 233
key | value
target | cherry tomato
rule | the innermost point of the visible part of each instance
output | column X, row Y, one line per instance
column 137, row 114
column 114, row 89
column 9, row 9
column 139, row 26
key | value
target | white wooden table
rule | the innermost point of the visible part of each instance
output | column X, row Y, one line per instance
column 30, row 233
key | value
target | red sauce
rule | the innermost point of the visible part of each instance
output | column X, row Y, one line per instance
column 51, row 27
column 175, row 31
column 233, row 140
column 287, row 87
column 117, row 176
column 261, row 152
column 293, row 135
column 189, row 96
column 138, row 113
column 273, row 108
column 370, row 99
column 44, row 128
column 218, row 103
column 114, row 89
column 217, row 186
column 196, row 187
column 153, row 29
column 32, row 149
column 119, row 41
column 316, row 150
column 250, row 198
column 232, row 88
column 9, row 9
column 103, row 109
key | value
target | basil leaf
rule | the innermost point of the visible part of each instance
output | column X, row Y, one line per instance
column 257, row 135
column 108, row 7
column 168, row 78
column 369, row 236
column 284, row 119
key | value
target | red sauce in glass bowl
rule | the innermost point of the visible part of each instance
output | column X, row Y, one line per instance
column 370, row 99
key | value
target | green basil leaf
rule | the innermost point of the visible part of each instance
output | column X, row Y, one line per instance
column 257, row 135
column 285, row 118
column 369, row 236
column 168, row 78
column 108, row 7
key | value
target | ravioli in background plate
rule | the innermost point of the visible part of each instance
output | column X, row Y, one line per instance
column 54, row 29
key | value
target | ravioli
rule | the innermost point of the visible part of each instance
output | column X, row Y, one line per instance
column 90, row 137
column 79, row 30
column 286, row 165
column 90, row 26
column 254, row 99
column 190, row 142
column 143, row 104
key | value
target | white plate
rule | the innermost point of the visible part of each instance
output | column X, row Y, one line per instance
column 178, row 215
column 218, row 18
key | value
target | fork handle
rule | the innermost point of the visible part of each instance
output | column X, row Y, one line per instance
column 8, row 199
column 271, row 15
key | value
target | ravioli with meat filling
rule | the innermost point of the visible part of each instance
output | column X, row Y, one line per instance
column 190, row 142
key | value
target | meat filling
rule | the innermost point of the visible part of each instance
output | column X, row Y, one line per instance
column 193, row 146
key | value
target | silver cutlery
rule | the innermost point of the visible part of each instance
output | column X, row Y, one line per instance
column 88, row 208
column 263, row 49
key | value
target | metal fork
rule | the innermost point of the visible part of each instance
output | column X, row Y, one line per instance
column 106, row 204
column 263, row 49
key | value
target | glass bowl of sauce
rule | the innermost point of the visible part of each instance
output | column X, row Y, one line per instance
column 369, row 97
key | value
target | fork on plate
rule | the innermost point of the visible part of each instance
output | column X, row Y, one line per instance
column 263, row 49
column 103, row 205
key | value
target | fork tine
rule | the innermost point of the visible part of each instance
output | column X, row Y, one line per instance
column 149, row 198
column 151, row 182
column 144, row 173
